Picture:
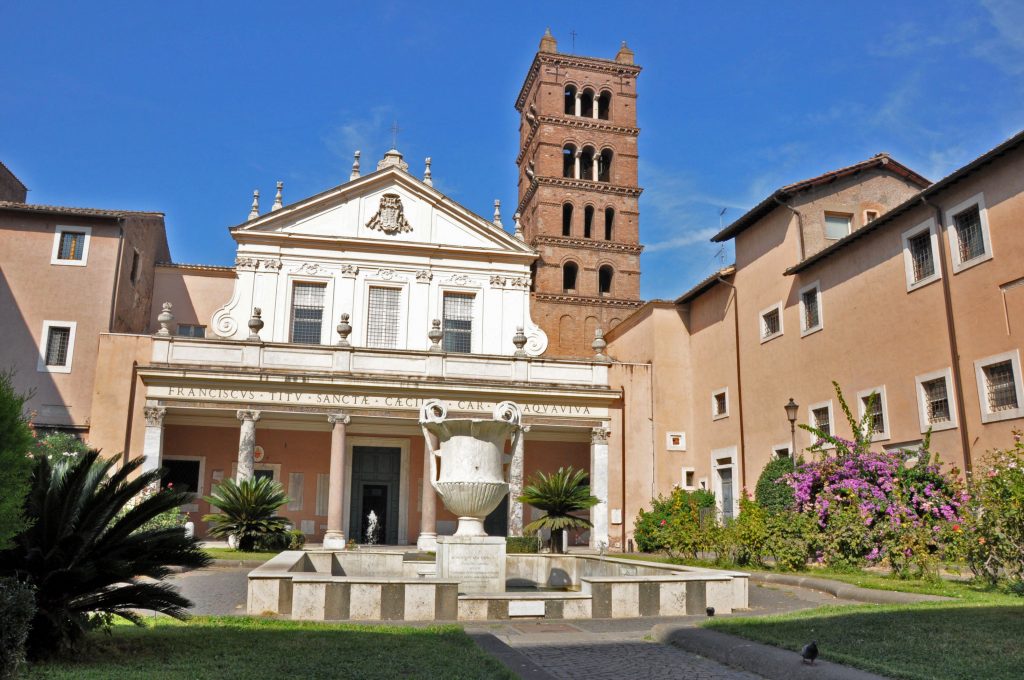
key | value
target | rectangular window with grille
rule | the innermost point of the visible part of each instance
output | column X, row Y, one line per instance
column 720, row 404
column 383, row 317
column 458, row 322
column 936, row 400
column 822, row 420
column 72, row 245
column 970, row 240
column 812, row 319
column 307, row 312
column 770, row 323
column 873, row 405
column 57, row 341
column 921, row 256
column 1000, row 386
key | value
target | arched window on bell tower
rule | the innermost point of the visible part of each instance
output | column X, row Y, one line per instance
column 587, row 101
column 609, row 221
column 604, row 279
column 567, row 219
column 604, row 166
column 604, row 105
column 588, row 222
column 570, row 271
column 570, row 100
column 587, row 163
column 569, row 161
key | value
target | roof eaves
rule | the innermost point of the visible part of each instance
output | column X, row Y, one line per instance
column 68, row 210
column 705, row 285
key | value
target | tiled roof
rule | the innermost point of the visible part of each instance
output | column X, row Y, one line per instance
column 196, row 267
column 1009, row 145
column 67, row 210
column 881, row 160
column 705, row 285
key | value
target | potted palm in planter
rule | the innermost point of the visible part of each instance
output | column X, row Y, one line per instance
column 559, row 495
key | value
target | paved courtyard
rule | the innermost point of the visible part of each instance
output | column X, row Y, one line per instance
column 587, row 649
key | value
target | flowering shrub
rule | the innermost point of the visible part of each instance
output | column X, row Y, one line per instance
column 674, row 524
column 995, row 547
column 897, row 506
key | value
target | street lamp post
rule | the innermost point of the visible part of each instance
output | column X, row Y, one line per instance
column 791, row 409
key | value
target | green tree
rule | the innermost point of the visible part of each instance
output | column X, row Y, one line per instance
column 84, row 557
column 772, row 492
column 247, row 511
column 15, row 465
column 559, row 495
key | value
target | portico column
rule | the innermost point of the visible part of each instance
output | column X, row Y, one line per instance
column 599, row 487
column 334, row 539
column 576, row 164
column 515, row 485
column 153, row 441
column 246, row 444
column 427, row 540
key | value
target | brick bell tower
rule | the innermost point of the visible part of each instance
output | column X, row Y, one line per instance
column 578, row 193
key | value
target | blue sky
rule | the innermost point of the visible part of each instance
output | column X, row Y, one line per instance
column 187, row 107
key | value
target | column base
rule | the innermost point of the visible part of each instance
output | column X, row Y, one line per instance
column 334, row 540
column 427, row 541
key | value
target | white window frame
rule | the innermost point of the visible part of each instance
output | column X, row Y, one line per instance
column 883, row 434
column 682, row 479
column 811, row 438
column 681, row 446
column 44, row 338
column 728, row 454
column 987, row 416
column 200, row 487
column 816, row 286
column 922, row 400
column 954, row 239
column 908, row 257
column 402, row 287
column 55, row 255
column 784, row 446
column 476, row 330
column 761, row 324
column 715, row 415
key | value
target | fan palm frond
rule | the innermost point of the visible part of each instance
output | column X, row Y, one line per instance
column 559, row 494
column 247, row 510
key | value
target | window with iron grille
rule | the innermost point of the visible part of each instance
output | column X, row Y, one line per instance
column 383, row 317
column 936, row 400
column 770, row 323
column 57, row 341
column 190, row 330
column 721, row 404
column 458, row 322
column 873, row 405
column 307, row 312
column 811, row 317
column 921, row 256
column 969, row 236
column 822, row 420
column 1000, row 385
column 72, row 243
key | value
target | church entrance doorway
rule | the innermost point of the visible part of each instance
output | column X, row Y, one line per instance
column 376, row 474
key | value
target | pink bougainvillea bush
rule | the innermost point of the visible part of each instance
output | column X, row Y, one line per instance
column 895, row 507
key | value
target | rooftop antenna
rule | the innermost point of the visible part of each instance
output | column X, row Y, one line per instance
column 573, row 34
column 394, row 134
column 720, row 255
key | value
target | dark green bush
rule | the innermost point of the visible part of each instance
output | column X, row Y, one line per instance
column 292, row 539
column 17, row 607
column 772, row 494
column 522, row 544
column 15, row 465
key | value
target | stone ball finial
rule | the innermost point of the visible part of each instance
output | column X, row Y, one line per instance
column 519, row 340
column 599, row 345
column 165, row 319
column 344, row 329
column 255, row 325
column 436, row 335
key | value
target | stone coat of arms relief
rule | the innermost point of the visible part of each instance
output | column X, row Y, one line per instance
column 390, row 217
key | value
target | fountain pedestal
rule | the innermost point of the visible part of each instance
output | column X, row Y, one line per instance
column 477, row 562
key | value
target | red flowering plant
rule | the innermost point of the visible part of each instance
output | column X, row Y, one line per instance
column 898, row 507
column 673, row 524
column 995, row 544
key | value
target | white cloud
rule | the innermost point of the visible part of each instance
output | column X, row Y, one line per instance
column 1006, row 47
column 365, row 133
column 688, row 238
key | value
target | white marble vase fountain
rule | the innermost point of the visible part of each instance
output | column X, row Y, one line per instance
column 471, row 484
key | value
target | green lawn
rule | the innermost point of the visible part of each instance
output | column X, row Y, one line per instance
column 231, row 554
column 226, row 648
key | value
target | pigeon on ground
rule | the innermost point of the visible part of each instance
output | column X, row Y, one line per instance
column 810, row 652
column 711, row 611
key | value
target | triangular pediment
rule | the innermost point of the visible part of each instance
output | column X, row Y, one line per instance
column 389, row 206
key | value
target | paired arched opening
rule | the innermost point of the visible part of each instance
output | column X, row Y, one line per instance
column 569, row 161
column 588, row 222
column 586, row 103
column 567, row 219
column 604, row 279
column 587, row 165
column 609, row 221
column 570, row 272
column 604, row 166
column 570, row 100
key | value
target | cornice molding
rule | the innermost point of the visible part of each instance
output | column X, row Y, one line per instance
column 571, row 60
column 581, row 184
column 579, row 123
column 570, row 242
column 561, row 298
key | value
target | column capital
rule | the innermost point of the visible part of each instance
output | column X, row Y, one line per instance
column 244, row 414
column 340, row 418
column 599, row 435
column 154, row 415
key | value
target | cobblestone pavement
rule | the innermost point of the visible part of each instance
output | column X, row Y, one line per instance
column 214, row 591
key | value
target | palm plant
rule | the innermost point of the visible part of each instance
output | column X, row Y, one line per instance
column 247, row 510
column 559, row 494
column 85, row 555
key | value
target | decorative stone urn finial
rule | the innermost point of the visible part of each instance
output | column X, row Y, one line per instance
column 277, row 199
column 255, row 325
column 497, row 213
column 254, row 212
column 436, row 335
column 427, row 177
column 165, row 319
column 519, row 340
column 355, row 167
column 344, row 329
column 599, row 345
column 519, row 227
